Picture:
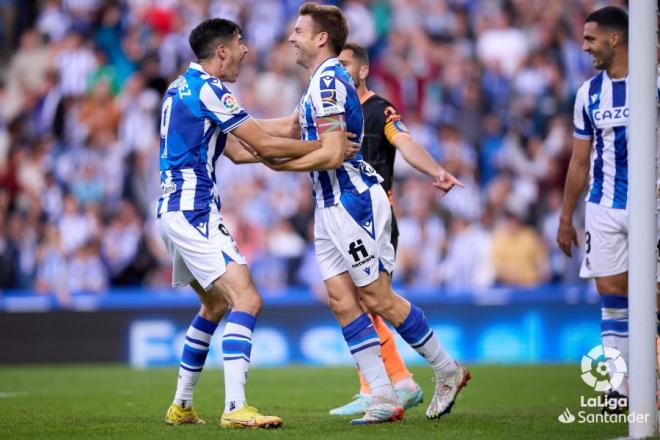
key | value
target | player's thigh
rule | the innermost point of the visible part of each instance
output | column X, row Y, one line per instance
column 205, row 250
column 330, row 260
column 606, row 242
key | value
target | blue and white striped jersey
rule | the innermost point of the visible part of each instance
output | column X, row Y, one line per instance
column 331, row 92
column 601, row 113
column 197, row 113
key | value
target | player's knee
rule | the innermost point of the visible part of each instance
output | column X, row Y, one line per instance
column 213, row 310
column 339, row 305
column 248, row 300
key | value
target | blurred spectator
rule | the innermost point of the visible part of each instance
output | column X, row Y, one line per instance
column 518, row 253
column 485, row 86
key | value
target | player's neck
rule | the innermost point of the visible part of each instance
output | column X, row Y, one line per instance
column 363, row 92
column 619, row 67
column 320, row 59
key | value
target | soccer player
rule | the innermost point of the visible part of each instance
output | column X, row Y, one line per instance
column 353, row 223
column 198, row 113
column 384, row 134
column 600, row 153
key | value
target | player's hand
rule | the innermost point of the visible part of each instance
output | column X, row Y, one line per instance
column 566, row 237
column 445, row 181
column 352, row 147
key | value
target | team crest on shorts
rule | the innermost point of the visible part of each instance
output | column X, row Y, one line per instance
column 587, row 263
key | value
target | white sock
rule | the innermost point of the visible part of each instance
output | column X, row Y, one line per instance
column 236, row 349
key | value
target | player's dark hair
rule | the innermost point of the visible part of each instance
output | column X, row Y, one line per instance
column 611, row 17
column 208, row 34
column 328, row 19
column 359, row 53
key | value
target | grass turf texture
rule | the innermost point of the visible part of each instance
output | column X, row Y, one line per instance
column 109, row 401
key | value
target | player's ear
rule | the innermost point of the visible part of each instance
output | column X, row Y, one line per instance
column 363, row 73
column 615, row 39
column 322, row 38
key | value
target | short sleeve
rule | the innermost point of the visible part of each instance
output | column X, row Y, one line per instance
column 582, row 127
column 328, row 95
column 218, row 104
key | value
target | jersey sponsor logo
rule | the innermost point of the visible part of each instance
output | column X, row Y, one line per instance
column 611, row 117
column 201, row 227
column 167, row 188
column 328, row 98
column 230, row 103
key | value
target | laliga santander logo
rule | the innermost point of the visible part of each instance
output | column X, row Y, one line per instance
column 603, row 368
column 229, row 102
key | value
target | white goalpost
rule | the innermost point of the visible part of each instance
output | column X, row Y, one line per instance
column 642, row 236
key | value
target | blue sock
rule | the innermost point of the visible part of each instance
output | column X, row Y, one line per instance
column 195, row 349
column 236, row 350
column 614, row 328
column 415, row 330
column 364, row 344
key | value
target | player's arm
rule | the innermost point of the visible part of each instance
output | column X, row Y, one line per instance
column 332, row 130
column 238, row 152
column 576, row 180
column 287, row 127
column 272, row 147
column 421, row 160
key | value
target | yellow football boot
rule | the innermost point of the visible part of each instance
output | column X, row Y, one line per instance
column 180, row 416
column 248, row 417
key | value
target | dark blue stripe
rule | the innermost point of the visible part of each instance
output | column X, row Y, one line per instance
column 414, row 327
column 426, row 339
column 620, row 150
column 242, row 318
column 195, row 350
column 614, row 325
column 326, row 187
column 194, row 370
column 588, row 128
column 596, row 194
column 616, row 335
column 202, row 189
column 614, row 302
column 364, row 347
column 344, row 180
column 356, row 326
column 197, row 341
column 194, row 357
column 233, row 358
column 204, row 325
column 220, row 144
column 236, row 347
column 174, row 203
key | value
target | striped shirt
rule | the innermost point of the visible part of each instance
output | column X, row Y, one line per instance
column 196, row 114
column 601, row 114
column 331, row 92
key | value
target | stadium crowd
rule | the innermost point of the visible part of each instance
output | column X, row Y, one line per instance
column 486, row 86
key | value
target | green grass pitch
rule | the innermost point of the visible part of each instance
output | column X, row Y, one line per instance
column 111, row 401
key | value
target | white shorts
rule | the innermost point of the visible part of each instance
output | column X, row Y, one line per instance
column 199, row 252
column 355, row 236
column 606, row 242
